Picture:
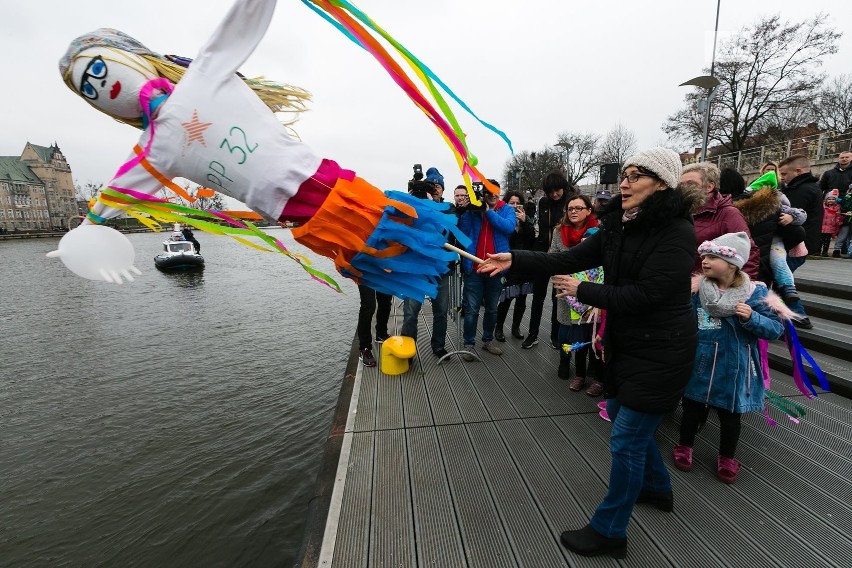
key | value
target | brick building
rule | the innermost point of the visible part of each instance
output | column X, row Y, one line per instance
column 36, row 190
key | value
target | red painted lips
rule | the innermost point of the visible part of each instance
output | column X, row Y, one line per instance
column 116, row 89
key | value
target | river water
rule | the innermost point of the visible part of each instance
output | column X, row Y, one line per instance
column 176, row 421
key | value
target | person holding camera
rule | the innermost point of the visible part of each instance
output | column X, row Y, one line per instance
column 550, row 210
column 518, row 284
column 489, row 227
column 430, row 188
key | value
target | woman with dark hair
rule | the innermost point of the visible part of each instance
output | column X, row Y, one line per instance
column 550, row 207
column 518, row 284
column 646, row 246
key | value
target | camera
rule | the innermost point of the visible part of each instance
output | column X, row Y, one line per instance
column 419, row 188
column 479, row 192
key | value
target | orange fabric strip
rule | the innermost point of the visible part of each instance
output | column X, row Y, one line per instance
column 161, row 178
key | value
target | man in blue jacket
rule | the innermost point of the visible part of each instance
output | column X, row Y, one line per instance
column 489, row 230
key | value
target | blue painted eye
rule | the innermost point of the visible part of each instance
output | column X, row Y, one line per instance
column 89, row 91
column 97, row 69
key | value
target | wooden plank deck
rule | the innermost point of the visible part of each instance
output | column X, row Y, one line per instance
column 486, row 463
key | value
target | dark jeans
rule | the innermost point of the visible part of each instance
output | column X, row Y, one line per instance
column 575, row 333
column 539, row 293
column 636, row 465
column 370, row 300
column 695, row 414
column 517, row 315
column 440, row 307
column 479, row 288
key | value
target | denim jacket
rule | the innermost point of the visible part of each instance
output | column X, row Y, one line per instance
column 727, row 372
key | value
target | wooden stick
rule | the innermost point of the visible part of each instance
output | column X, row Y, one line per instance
column 464, row 253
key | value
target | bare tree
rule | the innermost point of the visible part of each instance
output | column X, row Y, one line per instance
column 618, row 145
column 767, row 69
column 578, row 154
column 525, row 170
column 86, row 192
column 832, row 107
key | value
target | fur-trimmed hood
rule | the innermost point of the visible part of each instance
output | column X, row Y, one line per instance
column 763, row 203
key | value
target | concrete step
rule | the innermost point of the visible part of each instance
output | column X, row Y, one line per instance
column 826, row 276
column 835, row 309
column 837, row 370
column 828, row 337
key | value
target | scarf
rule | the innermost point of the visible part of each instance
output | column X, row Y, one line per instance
column 630, row 214
column 571, row 236
column 721, row 304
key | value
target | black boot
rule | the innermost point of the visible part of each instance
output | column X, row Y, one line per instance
column 498, row 335
column 664, row 501
column 589, row 542
column 516, row 333
column 564, row 371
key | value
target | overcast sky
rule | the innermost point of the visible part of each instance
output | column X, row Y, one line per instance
column 533, row 69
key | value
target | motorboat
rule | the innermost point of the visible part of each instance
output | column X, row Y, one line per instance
column 178, row 254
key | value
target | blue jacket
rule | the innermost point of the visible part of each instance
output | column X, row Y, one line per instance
column 727, row 372
column 502, row 219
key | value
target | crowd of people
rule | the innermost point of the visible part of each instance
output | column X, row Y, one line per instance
column 661, row 294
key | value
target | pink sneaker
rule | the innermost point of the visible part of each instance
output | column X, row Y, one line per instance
column 682, row 457
column 727, row 469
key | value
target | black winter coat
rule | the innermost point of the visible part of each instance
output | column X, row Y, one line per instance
column 835, row 178
column 650, row 335
column 804, row 193
column 549, row 214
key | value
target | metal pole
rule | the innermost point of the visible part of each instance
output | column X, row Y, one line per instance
column 712, row 91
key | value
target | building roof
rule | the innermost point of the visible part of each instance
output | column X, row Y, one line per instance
column 13, row 169
column 44, row 152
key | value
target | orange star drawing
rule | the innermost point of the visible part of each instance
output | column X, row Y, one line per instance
column 195, row 129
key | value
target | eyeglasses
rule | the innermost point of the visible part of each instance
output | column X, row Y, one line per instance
column 634, row 177
column 575, row 209
column 96, row 69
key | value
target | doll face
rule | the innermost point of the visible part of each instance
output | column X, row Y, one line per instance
column 111, row 80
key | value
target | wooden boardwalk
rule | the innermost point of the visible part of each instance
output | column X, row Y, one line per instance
column 486, row 463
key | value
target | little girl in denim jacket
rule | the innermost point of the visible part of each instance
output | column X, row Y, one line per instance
column 732, row 313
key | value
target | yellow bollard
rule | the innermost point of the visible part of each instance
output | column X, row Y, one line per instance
column 396, row 351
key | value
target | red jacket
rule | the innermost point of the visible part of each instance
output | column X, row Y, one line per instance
column 831, row 219
column 718, row 217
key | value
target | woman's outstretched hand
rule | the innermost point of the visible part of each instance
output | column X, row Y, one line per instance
column 495, row 263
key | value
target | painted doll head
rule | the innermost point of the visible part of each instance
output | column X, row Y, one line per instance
column 108, row 68
column 110, row 80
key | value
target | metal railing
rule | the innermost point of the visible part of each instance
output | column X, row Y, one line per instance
column 817, row 147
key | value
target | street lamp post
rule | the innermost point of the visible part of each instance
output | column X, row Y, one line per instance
column 709, row 82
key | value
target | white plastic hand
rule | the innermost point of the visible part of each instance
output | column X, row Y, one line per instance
column 97, row 253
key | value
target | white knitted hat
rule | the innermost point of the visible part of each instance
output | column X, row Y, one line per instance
column 733, row 248
column 663, row 162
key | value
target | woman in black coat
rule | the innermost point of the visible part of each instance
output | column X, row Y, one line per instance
column 647, row 248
